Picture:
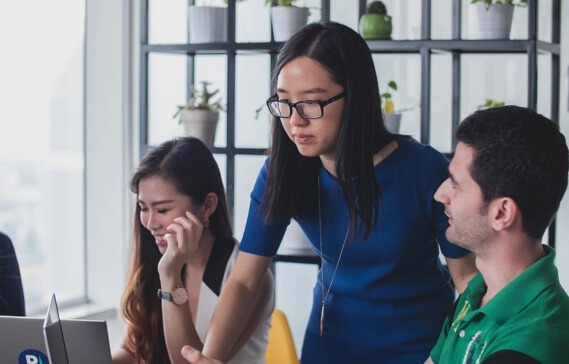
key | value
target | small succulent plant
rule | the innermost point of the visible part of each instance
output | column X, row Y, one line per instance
column 388, row 105
column 201, row 99
column 490, row 103
column 280, row 2
column 376, row 7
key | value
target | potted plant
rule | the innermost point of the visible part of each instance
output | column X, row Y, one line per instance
column 495, row 17
column 391, row 115
column 207, row 24
column 375, row 23
column 286, row 18
column 491, row 103
column 201, row 114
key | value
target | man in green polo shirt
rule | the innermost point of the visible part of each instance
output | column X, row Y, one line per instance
column 507, row 178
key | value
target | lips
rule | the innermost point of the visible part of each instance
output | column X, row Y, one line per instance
column 449, row 217
column 160, row 241
column 302, row 138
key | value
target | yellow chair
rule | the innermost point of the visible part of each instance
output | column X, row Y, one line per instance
column 280, row 349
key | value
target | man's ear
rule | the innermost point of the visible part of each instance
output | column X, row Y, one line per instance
column 503, row 212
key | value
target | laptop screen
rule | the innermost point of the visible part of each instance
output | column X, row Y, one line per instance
column 53, row 334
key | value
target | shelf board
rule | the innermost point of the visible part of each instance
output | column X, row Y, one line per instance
column 211, row 48
column 376, row 46
column 462, row 46
column 235, row 151
column 298, row 258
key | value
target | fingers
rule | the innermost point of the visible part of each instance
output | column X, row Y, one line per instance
column 190, row 222
column 187, row 231
column 196, row 357
column 170, row 240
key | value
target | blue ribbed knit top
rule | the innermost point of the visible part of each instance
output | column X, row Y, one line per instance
column 397, row 265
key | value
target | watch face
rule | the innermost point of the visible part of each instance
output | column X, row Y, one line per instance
column 180, row 296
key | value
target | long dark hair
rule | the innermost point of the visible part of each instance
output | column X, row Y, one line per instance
column 291, row 183
column 190, row 166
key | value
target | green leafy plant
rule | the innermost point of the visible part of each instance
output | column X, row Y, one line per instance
column 376, row 7
column 258, row 111
column 490, row 103
column 280, row 2
column 387, row 101
column 487, row 3
column 202, row 99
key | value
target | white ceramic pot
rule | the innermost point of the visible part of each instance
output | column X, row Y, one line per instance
column 392, row 122
column 201, row 124
column 495, row 21
column 287, row 20
column 207, row 24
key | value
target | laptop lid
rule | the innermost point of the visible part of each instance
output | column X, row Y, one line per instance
column 22, row 341
column 53, row 335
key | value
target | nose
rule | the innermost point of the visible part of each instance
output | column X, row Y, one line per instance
column 441, row 194
column 151, row 221
column 296, row 119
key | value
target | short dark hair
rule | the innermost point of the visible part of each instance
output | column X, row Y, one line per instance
column 520, row 154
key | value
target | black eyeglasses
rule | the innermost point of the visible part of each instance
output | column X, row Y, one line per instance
column 308, row 109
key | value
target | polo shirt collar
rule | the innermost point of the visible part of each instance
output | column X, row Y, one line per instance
column 522, row 290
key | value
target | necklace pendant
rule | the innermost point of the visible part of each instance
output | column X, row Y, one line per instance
column 322, row 319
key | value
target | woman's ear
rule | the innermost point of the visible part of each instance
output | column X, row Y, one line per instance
column 504, row 213
column 209, row 204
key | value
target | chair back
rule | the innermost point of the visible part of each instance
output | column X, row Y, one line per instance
column 281, row 348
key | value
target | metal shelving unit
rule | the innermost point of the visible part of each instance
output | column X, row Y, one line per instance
column 425, row 47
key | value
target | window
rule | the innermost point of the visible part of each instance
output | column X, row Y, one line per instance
column 42, row 184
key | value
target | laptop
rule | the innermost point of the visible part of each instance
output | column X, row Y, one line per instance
column 53, row 335
column 27, row 340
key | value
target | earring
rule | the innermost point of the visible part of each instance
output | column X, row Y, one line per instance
column 205, row 224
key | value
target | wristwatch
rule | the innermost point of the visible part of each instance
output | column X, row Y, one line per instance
column 179, row 295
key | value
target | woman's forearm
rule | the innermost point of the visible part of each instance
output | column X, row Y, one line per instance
column 178, row 326
column 235, row 305
column 179, row 330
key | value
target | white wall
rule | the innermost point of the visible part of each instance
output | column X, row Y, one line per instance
column 108, row 146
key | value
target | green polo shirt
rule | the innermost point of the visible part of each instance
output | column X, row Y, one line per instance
column 530, row 315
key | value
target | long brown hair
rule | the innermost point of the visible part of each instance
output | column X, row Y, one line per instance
column 190, row 166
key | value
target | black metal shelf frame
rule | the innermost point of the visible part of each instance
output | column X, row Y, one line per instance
column 424, row 47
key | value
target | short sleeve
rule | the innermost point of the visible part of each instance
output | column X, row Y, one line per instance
column 260, row 238
column 543, row 342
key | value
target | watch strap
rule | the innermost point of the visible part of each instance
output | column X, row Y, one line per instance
column 178, row 295
column 164, row 295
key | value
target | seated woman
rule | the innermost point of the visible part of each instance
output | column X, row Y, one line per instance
column 11, row 293
column 183, row 253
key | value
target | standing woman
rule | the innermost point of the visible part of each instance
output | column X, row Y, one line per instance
column 363, row 197
column 183, row 253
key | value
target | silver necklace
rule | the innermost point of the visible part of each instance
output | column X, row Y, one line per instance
column 325, row 296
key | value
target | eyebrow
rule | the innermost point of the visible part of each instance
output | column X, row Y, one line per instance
column 316, row 90
column 454, row 181
column 155, row 203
